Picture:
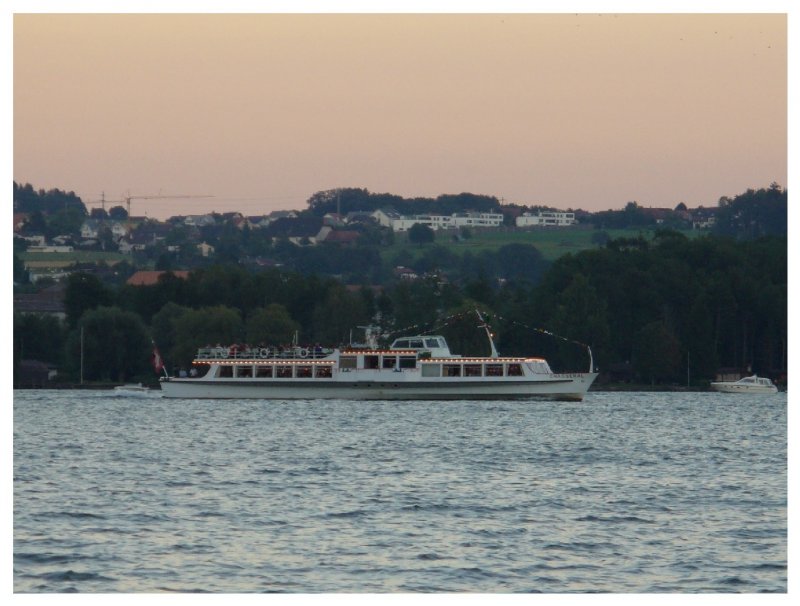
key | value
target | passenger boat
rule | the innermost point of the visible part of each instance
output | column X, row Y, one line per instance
column 754, row 384
column 419, row 367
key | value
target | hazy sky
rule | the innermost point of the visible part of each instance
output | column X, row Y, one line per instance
column 261, row 111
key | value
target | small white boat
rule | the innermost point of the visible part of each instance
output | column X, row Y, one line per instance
column 132, row 389
column 754, row 384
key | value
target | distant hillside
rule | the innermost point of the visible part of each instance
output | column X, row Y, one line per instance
column 348, row 200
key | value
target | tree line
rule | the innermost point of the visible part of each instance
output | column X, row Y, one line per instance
column 669, row 310
column 351, row 199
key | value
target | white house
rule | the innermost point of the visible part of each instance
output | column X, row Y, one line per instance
column 91, row 228
column 546, row 218
column 454, row 221
column 385, row 217
column 477, row 220
column 205, row 249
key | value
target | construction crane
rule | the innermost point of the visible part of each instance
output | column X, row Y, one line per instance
column 103, row 200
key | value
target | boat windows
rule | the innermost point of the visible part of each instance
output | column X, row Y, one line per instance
column 283, row 372
column 451, row 370
column 494, row 370
column 401, row 344
column 389, row 362
column 303, row 372
column 371, row 362
column 539, row 367
column 432, row 343
column 264, row 372
column 323, row 372
column 225, row 371
column 244, row 371
column 514, row 370
column 408, row 362
column 347, row 362
column 416, row 344
column 472, row 370
column 431, row 370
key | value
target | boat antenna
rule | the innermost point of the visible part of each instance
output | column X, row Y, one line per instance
column 485, row 327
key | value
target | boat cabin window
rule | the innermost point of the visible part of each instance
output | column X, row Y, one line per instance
column 303, row 372
column 244, row 371
column 323, row 372
column 283, row 372
column 415, row 344
column 347, row 362
column 389, row 362
column 472, row 370
column 431, row 370
column 371, row 362
column 432, row 343
column 514, row 370
column 494, row 370
column 451, row 370
column 225, row 371
column 408, row 362
column 264, row 372
column 401, row 344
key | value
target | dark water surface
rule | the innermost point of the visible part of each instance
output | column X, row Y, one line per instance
column 634, row 492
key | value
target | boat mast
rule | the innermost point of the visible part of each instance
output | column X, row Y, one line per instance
column 485, row 327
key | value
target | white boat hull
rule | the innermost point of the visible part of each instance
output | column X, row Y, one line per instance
column 734, row 388
column 560, row 387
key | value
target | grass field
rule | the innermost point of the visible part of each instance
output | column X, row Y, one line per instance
column 59, row 260
column 552, row 243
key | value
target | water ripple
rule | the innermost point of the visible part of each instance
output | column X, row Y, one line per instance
column 621, row 493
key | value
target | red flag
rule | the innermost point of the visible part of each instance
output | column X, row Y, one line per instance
column 158, row 363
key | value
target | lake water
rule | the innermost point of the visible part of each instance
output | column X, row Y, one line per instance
column 623, row 492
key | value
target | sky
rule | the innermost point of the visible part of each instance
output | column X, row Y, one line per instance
column 260, row 111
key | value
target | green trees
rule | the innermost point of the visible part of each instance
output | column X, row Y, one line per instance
column 219, row 325
column 38, row 337
column 340, row 313
column 712, row 302
column 52, row 213
column 28, row 200
column 420, row 234
column 116, row 345
column 656, row 353
column 754, row 213
column 271, row 325
column 84, row 292
column 349, row 199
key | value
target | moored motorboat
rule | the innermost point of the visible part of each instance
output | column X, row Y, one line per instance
column 753, row 384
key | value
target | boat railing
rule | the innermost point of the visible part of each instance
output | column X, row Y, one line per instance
column 264, row 353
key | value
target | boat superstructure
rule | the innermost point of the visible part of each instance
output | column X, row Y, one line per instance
column 415, row 367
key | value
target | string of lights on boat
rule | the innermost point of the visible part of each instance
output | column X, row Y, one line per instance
column 418, row 328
